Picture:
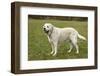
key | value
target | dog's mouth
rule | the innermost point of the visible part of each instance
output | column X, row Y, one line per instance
column 46, row 31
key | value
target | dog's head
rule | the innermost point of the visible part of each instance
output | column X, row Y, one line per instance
column 48, row 28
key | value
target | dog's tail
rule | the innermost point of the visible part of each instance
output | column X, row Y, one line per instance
column 81, row 37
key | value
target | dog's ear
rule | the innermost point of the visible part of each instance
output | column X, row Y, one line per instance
column 51, row 27
column 51, row 24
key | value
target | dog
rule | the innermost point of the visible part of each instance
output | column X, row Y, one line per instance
column 57, row 35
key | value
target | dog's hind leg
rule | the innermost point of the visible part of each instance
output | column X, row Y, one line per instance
column 71, row 47
column 77, row 49
column 74, row 42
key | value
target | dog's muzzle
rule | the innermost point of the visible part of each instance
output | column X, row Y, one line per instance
column 46, row 31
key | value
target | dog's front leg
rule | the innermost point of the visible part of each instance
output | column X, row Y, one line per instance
column 52, row 45
column 55, row 49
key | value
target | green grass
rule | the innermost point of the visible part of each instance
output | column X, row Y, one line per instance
column 39, row 48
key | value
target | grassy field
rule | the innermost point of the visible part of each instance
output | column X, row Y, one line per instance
column 39, row 47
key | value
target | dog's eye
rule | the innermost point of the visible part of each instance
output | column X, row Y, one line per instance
column 47, row 26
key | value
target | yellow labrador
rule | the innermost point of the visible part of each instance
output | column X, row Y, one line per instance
column 56, row 35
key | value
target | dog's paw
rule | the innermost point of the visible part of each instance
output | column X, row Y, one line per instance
column 69, row 51
column 53, row 54
column 77, row 52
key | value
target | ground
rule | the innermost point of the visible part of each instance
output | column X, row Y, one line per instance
column 39, row 48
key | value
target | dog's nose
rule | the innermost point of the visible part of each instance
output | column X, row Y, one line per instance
column 44, row 28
